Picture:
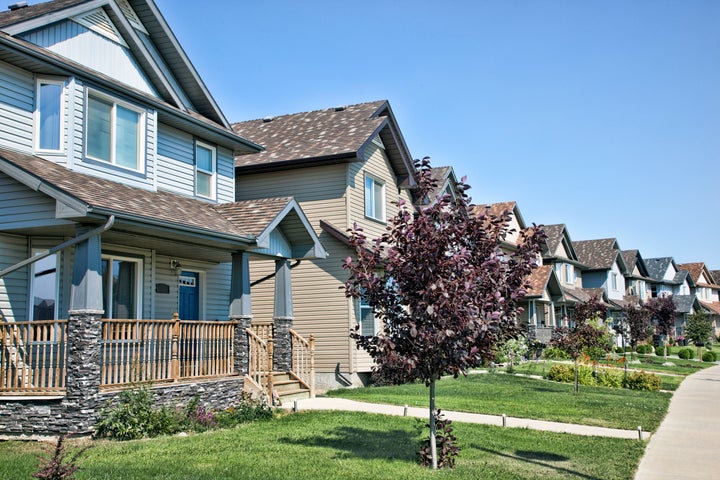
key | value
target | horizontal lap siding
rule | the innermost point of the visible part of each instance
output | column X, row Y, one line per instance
column 225, row 176
column 23, row 207
column 14, row 286
column 16, row 108
column 175, row 169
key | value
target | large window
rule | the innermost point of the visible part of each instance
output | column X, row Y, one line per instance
column 114, row 133
column 44, row 288
column 48, row 115
column 205, row 166
column 374, row 199
column 121, row 287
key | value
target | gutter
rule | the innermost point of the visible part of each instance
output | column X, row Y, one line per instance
column 92, row 233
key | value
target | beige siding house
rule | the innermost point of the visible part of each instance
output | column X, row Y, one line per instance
column 343, row 165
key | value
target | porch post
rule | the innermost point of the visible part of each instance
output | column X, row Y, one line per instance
column 282, row 317
column 241, row 310
column 84, row 339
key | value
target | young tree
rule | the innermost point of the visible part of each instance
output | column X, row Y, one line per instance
column 444, row 290
column 637, row 320
column 663, row 314
column 591, row 310
column 698, row 329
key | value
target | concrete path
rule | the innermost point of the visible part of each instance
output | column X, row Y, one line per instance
column 324, row 403
column 686, row 444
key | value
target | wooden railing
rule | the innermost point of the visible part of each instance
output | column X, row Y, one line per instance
column 303, row 360
column 165, row 350
column 33, row 357
column 263, row 329
column 260, row 361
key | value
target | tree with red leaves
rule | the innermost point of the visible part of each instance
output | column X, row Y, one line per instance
column 444, row 290
column 663, row 316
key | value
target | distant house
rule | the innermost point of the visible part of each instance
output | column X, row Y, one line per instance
column 669, row 280
column 346, row 165
column 117, row 212
column 637, row 280
column 707, row 290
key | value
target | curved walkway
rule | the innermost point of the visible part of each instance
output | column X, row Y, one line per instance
column 685, row 445
column 325, row 403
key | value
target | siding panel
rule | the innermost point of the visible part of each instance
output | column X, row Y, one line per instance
column 16, row 108
column 13, row 287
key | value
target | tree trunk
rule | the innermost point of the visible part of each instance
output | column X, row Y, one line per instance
column 433, row 445
column 576, row 376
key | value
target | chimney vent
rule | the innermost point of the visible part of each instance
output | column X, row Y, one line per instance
column 17, row 6
column 268, row 119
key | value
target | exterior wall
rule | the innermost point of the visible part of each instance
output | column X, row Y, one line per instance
column 16, row 108
column 23, row 207
column 13, row 287
column 620, row 291
column 86, row 47
column 596, row 279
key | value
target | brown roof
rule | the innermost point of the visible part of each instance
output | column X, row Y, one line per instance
column 9, row 17
column 327, row 134
column 108, row 197
column 714, row 307
column 554, row 235
column 538, row 280
column 495, row 209
column 597, row 254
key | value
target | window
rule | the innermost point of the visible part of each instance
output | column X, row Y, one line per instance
column 374, row 199
column 614, row 280
column 204, row 170
column 48, row 115
column 114, row 133
column 569, row 274
column 44, row 288
column 121, row 287
column 368, row 323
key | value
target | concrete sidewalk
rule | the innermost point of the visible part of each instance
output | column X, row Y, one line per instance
column 324, row 403
column 686, row 444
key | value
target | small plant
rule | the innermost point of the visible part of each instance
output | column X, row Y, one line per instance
column 134, row 417
column 642, row 381
column 643, row 349
column 446, row 442
column 686, row 353
column 57, row 463
column 561, row 373
column 248, row 410
column 554, row 353
column 709, row 356
column 610, row 377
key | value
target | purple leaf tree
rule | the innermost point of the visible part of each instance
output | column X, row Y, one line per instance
column 444, row 290
column 663, row 316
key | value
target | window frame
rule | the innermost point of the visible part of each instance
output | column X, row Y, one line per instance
column 37, row 119
column 114, row 104
column 569, row 274
column 370, row 197
column 138, row 287
column 212, row 174
column 56, row 289
column 364, row 305
column 614, row 283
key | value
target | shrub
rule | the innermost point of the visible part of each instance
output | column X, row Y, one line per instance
column 561, row 373
column 610, row 377
column 643, row 349
column 248, row 410
column 660, row 351
column 57, row 463
column 134, row 417
column 445, row 441
column 586, row 376
column 642, row 381
column 554, row 353
column 709, row 356
column 686, row 353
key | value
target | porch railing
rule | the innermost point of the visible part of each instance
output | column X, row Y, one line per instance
column 165, row 350
column 260, row 361
column 33, row 357
column 303, row 360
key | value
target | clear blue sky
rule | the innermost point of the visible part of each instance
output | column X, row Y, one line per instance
column 603, row 115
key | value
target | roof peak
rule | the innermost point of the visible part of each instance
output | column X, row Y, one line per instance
column 339, row 108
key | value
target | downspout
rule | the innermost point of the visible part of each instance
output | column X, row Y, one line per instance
column 268, row 277
column 62, row 246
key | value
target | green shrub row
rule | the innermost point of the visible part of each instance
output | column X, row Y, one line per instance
column 554, row 353
column 604, row 377
column 686, row 353
column 134, row 416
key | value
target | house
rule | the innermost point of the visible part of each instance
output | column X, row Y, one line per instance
column 669, row 280
column 606, row 270
column 637, row 280
column 345, row 165
column 707, row 291
column 124, row 255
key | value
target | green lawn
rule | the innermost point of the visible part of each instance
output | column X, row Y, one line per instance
column 343, row 445
column 528, row 398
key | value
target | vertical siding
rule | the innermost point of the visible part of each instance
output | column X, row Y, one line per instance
column 13, row 287
column 16, row 108
column 23, row 207
column 88, row 48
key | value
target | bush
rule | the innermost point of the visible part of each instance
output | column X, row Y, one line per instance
column 561, row 373
column 134, row 417
column 554, row 353
column 248, row 410
column 643, row 349
column 660, row 351
column 445, row 442
column 642, row 381
column 686, row 353
column 610, row 377
column 709, row 356
column 586, row 376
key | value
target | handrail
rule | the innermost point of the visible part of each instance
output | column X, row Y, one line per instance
column 303, row 360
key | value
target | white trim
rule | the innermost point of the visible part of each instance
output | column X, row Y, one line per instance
column 99, row 22
column 36, row 114
column 130, row 15
column 369, row 196
column 99, row 96
column 139, row 274
column 31, row 297
column 210, row 173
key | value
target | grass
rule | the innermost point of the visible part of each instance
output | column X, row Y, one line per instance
column 528, row 398
column 342, row 445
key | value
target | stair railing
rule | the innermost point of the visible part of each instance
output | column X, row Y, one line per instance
column 303, row 360
column 260, row 361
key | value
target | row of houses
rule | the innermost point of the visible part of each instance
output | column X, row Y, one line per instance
column 146, row 238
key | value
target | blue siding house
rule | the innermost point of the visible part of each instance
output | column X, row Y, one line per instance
column 119, row 231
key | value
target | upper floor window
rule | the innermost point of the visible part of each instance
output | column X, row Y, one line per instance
column 614, row 280
column 374, row 199
column 569, row 274
column 205, row 167
column 48, row 115
column 114, row 132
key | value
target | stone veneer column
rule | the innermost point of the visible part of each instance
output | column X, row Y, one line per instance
column 241, row 345
column 241, row 310
column 282, row 317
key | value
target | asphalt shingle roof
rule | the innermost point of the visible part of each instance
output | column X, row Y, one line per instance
column 683, row 303
column 9, row 17
column 597, row 254
column 538, row 280
column 554, row 237
column 330, row 133
column 657, row 267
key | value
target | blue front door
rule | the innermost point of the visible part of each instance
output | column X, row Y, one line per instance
column 189, row 290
